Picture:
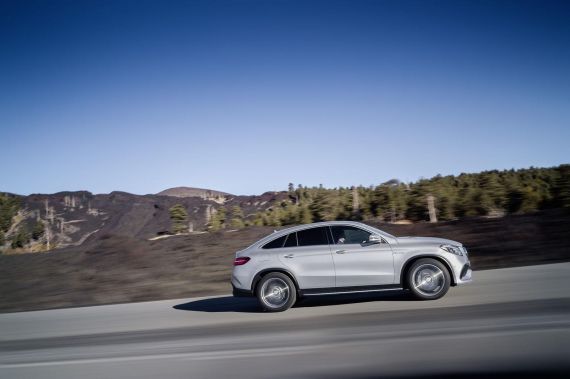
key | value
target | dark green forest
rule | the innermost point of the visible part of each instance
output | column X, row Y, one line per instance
column 489, row 193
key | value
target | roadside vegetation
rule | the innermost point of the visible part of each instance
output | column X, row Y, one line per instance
column 489, row 193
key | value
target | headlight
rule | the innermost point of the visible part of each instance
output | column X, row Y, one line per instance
column 452, row 249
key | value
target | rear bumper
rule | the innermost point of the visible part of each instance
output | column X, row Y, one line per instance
column 240, row 292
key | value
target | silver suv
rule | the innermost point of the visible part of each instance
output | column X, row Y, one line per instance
column 341, row 257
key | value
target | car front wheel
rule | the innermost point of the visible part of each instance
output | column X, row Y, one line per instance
column 428, row 279
column 276, row 292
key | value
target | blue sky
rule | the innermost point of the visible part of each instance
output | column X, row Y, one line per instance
column 247, row 96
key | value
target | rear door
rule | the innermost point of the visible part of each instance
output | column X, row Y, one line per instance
column 357, row 261
column 307, row 255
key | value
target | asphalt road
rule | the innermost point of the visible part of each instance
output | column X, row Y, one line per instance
column 508, row 321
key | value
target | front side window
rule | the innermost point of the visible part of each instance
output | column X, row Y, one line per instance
column 312, row 237
column 345, row 234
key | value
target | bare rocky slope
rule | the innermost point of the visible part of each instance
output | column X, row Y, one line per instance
column 114, row 268
column 202, row 193
column 73, row 218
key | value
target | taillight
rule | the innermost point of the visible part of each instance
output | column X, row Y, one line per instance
column 241, row 261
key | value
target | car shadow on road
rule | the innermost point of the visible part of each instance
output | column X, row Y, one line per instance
column 249, row 305
column 319, row 301
column 221, row 304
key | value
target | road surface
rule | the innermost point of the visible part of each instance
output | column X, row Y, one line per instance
column 508, row 321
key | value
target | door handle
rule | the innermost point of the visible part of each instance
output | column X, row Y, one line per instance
column 289, row 256
column 341, row 251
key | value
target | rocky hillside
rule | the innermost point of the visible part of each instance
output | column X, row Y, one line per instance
column 46, row 222
column 205, row 194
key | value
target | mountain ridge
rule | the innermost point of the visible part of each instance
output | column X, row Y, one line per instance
column 184, row 191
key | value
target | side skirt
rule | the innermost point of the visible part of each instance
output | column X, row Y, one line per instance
column 345, row 290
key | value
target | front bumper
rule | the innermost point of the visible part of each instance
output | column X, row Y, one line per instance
column 465, row 276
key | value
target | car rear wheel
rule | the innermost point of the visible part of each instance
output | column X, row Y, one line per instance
column 428, row 279
column 276, row 292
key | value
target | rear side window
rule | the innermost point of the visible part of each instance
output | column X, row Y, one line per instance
column 291, row 240
column 312, row 237
column 276, row 243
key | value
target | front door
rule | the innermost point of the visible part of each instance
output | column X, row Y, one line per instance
column 359, row 262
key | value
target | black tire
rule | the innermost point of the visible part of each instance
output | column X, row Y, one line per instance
column 428, row 279
column 276, row 292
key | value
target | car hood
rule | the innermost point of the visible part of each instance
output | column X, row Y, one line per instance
column 426, row 241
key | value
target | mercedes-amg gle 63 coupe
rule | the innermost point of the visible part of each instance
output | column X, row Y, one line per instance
column 340, row 257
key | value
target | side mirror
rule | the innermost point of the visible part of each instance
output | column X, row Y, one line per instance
column 374, row 239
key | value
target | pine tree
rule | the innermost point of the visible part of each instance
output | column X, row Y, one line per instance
column 274, row 216
column 179, row 219
column 38, row 230
column 21, row 239
column 218, row 219
column 305, row 215
column 237, row 217
column 215, row 224
column 222, row 212
column 493, row 192
column 258, row 219
column 321, row 207
column 562, row 186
